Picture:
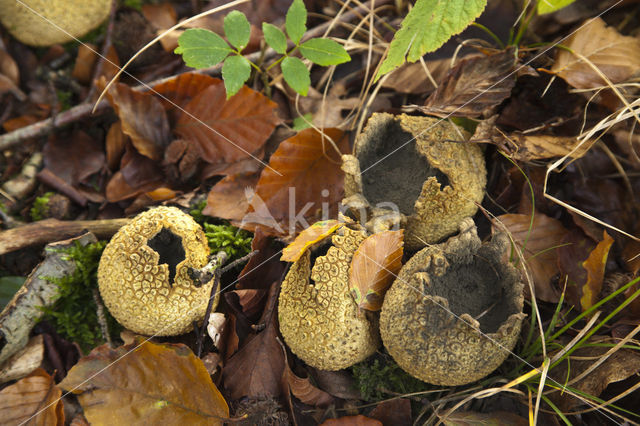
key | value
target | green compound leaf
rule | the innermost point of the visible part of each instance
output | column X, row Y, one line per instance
column 237, row 29
column 296, row 21
column 427, row 27
column 548, row 6
column 323, row 51
column 296, row 75
column 202, row 48
column 235, row 72
column 275, row 38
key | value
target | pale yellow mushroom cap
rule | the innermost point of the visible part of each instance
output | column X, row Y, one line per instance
column 36, row 27
column 136, row 269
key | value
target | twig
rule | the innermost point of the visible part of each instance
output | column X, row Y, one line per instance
column 48, row 230
column 105, row 50
column 48, row 178
column 102, row 319
column 215, row 265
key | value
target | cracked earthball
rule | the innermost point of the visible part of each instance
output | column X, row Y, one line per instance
column 143, row 273
column 319, row 319
column 454, row 313
column 415, row 172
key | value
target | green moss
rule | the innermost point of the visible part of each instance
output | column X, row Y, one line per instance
column 222, row 235
column 379, row 377
column 74, row 314
column 40, row 208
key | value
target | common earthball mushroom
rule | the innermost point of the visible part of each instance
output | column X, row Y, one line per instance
column 38, row 22
column 319, row 318
column 416, row 172
column 454, row 312
column 143, row 273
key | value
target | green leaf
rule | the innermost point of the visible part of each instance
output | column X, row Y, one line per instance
column 323, row 51
column 296, row 21
column 237, row 29
column 427, row 27
column 302, row 122
column 275, row 38
column 202, row 48
column 548, row 6
column 235, row 72
column 296, row 75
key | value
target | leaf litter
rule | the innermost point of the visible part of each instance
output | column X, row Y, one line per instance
column 182, row 141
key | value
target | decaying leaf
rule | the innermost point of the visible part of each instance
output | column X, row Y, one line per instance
column 302, row 388
column 34, row 400
column 575, row 250
column 257, row 368
column 474, row 85
column 138, row 174
column 264, row 268
column 537, row 147
column 74, row 159
column 374, row 267
column 143, row 120
column 496, row 418
column 595, row 265
column 227, row 130
column 358, row 420
column 304, row 174
column 310, row 236
column 620, row 365
column 177, row 92
column 540, row 248
column 150, row 383
column 227, row 197
column 395, row 412
column 615, row 55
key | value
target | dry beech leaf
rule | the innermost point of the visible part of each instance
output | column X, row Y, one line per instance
column 310, row 236
column 309, row 170
column 595, row 265
column 541, row 248
column 257, row 368
column 474, row 85
column 615, row 55
column 138, row 174
column 227, row 198
column 302, row 388
column 115, row 144
column 150, row 383
column 143, row 119
column 412, row 77
column 177, row 92
column 9, row 67
column 358, row 420
column 375, row 265
column 263, row 268
column 74, row 159
column 395, row 412
column 160, row 16
column 619, row 366
column 575, row 251
column 34, row 400
column 241, row 124
column 85, row 61
column 474, row 418
column 537, row 147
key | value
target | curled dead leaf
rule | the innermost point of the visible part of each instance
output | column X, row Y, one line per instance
column 595, row 266
column 314, row 234
column 375, row 265
column 32, row 400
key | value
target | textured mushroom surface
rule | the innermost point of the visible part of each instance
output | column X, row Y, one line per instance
column 319, row 319
column 420, row 167
column 143, row 273
column 76, row 18
column 454, row 313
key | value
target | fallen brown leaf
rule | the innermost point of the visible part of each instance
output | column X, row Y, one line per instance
column 148, row 383
column 138, row 174
column 541, row 244
column 34, row 400
column 178, row 91
column 595, row 266
column 395, row 412
column 358, row 420
column 302, row 388
column 143, row 119
column 227, row 130
column 265, row 267
column 375, row 265
column 74, row 159
column 474, row 86
column 316, row 233
column 304, row 174
column 615, row 55
column 161, row 16
column 256, row 369
column 227, row 198
column 574, row 252
column 536, row 147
